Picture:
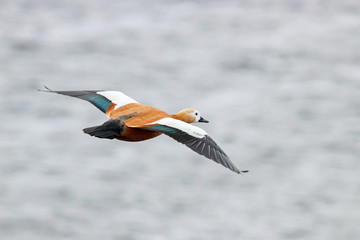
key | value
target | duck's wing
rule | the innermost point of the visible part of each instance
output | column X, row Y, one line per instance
column 193, row 137
column 100, row 99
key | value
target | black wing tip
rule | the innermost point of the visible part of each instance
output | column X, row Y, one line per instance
column 45, row 90
column 238, row 171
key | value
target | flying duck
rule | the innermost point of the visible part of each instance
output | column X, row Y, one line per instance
column 133, row 121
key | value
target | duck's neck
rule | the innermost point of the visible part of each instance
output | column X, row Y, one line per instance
column 183, row 116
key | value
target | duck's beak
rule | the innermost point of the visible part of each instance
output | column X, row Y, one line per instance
column 203, row 120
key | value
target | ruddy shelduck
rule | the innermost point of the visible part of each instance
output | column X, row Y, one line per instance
column 133, row 121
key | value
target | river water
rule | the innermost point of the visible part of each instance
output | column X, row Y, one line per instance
column 278, row 80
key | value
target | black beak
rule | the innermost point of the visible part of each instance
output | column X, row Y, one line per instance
column 203, row 120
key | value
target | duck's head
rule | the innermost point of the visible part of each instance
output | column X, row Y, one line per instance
column 190, row 116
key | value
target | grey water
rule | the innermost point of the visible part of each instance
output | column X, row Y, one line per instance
column 278, row 80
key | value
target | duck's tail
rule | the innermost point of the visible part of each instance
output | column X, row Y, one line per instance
column 110, row 129
column 100, row 132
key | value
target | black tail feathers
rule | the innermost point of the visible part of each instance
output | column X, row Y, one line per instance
column 110, row 129
column 102, row 132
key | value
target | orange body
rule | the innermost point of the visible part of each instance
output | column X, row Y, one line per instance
column 142, row 114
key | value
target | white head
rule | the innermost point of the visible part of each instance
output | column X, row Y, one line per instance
column 198, row 117
column 190, row 116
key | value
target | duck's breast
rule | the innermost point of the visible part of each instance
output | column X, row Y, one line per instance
column 136, row 134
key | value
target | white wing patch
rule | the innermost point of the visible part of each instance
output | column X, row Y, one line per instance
column 183, row 126
column 117, row 98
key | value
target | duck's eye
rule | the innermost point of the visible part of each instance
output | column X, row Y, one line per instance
column 196, row 114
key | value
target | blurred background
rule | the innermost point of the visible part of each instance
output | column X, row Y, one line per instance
column 278, row 80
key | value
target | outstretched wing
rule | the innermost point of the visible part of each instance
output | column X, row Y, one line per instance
column 193, row 137
column 100, row 99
